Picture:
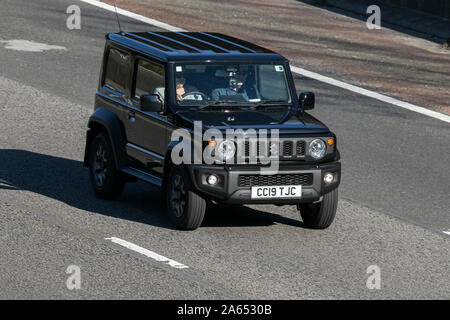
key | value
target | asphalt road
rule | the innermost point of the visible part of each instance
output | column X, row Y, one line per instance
column 393, row 197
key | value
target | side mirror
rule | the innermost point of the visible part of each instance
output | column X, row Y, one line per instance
column 151, row 103
column 306, row 100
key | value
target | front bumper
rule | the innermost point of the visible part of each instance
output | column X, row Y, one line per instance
column 229, row 189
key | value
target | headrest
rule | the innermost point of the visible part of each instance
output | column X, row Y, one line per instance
column 220, row 73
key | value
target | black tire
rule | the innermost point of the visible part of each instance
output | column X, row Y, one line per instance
column 185, row 208
column 320, row 215
column 107, row 182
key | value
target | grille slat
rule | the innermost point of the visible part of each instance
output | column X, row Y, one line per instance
column 287, row 149
column 262, row 149
column 248, row 180
column 300, row 148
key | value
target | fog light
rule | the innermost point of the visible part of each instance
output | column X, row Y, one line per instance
column 212, row 179
column 328, row 178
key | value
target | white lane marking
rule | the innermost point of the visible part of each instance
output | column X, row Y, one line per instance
column 147, row 253
column 371, row 94
column 447, row 232
column 304, row 72
column 30, row 46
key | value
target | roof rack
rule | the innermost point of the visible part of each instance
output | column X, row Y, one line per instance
column 175, row 45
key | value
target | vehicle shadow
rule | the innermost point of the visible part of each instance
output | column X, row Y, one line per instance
column 67, row 181
column 243, row 216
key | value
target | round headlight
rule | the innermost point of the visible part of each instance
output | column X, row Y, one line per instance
column 212, row 179
column 317, row 148
column 226, row 149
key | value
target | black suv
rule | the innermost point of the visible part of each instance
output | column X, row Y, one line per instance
column 227, row 108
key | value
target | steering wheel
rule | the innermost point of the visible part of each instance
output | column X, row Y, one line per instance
column 204, row 96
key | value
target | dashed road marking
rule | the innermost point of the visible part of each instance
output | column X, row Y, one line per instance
column 29, row 46
column 447, row 232
column 147, row 253
column 304, row 72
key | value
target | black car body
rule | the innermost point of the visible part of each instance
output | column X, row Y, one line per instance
column 137, row 125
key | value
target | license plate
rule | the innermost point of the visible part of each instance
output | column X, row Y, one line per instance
column 279, row 192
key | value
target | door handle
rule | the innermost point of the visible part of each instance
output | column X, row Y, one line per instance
column 131, row 116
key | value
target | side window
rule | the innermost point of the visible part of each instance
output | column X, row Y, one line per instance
column 117, row 70
column 150, row 79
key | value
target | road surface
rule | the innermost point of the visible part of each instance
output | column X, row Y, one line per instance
column 392, row 213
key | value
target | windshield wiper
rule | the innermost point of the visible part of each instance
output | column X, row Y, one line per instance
column 273, row 101
column 243, row 105
column 270, row 104
column 231, row 104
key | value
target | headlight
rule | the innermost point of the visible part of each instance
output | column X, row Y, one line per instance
column 317, row 148
column 226, row 149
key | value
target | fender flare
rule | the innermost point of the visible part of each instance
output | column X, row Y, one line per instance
column 105, row 120
column 338, row 155
column 168, row 164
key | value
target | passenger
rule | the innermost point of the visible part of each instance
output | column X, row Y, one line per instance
column 182, row 88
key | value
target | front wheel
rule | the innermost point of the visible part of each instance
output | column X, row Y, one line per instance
column 185, row 208
column 320, row 215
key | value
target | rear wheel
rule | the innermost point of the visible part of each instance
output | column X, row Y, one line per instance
column 320, row 215
column 185, row 208
column 107, row 182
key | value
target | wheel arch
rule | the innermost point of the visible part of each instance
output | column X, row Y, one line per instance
column 168, row 164
column 103, row 120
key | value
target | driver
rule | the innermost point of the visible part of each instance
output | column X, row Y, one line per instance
column 235, row 83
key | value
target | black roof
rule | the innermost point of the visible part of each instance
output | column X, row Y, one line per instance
column 176, row 46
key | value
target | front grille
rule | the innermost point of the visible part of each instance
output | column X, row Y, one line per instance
column 288, row 149
column 261, row 149
column 248, row 180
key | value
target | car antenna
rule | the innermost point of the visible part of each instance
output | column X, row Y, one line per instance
column 117, row 17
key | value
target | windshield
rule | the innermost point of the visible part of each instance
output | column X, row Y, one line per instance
column 211, row 85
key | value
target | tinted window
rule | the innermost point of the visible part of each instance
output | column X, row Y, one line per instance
column 117, row 68
column 231, row 82
column 149, row 79
column 272, row 83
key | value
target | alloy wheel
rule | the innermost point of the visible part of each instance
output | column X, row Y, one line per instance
column 178, row 196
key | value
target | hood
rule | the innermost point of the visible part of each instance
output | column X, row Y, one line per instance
column 286, row 122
